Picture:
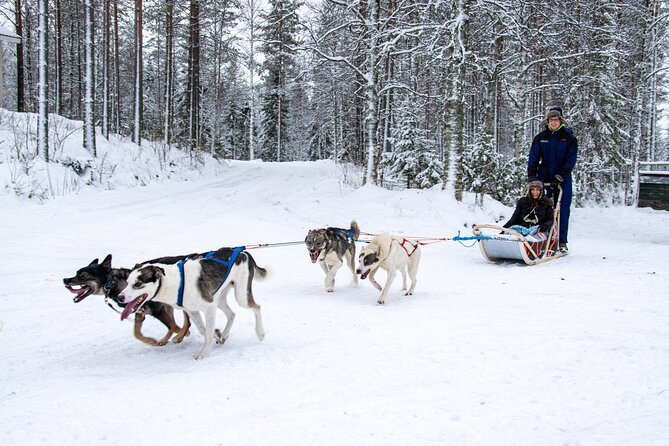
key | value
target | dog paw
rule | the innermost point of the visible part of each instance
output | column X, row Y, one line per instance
column 219, row 337
column 199, row 356
column 329, row 290
column 381, row 301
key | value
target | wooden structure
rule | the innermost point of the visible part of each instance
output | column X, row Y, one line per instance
column 5, row 36
column 653, row 188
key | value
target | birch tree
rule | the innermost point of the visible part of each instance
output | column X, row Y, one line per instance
column 89, row 82
column 106, row 62
column 138, row 85
column 43, row 87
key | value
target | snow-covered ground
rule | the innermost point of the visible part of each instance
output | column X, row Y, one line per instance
column 572, row 352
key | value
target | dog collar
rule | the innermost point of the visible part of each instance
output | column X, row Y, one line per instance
column 109, row 285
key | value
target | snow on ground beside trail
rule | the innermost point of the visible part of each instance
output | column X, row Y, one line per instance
column 572, row 352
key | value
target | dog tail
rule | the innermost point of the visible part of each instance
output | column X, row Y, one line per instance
column 355, row 229
column 255, row 270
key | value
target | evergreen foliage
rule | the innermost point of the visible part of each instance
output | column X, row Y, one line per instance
column 337, row 77
column 413, row 157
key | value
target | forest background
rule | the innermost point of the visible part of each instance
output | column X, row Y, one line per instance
column 415, row 93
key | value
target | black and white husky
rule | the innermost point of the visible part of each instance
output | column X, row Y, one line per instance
column 330, row 247
column 198, row 283
column 391, row 253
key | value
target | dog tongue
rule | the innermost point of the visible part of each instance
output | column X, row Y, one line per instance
column 77, row 291
column 130, row 308
column 314, row 256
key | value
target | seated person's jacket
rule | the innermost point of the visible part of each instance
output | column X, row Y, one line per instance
column 529, row 214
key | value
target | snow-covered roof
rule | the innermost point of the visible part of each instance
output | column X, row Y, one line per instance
column 9, row 36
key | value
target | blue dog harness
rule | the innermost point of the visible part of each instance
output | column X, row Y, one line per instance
column 208, row 256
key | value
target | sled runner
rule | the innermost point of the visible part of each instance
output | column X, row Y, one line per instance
column 498, row 243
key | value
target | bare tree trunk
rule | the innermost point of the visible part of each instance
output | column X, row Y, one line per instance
column 30, row 101
column 169, row 65
column 89, row 82
column 80, row 81
column 117, row 77
column 454, row 113
column 194, row 75
column 58, row 106
column 371, row 94
column 43, row 116
column 138, row 88
column 105, row 69
column 20, row 88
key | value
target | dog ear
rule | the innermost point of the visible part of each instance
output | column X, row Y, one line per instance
column 94, row 262
column 159, row 271
column 107, row 261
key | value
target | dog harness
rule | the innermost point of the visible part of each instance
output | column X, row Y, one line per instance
column 413, row 246
column 208, row 256
column 348, row 235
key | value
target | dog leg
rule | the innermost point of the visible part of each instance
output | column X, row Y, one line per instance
column 413, row 270
column 137, row 331
column 330, row 276
column 404, row 278
column 350, row 260
column 181, row 334
column 229, row 314
column 197, row 320
column 166, row 316
column 245, row 299
column 386, row 288
column 210, row 322
column 372, row 280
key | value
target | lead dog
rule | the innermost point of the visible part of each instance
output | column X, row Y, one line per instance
column 330, row 247
column 391, row 254
column 206, row 283
column 101, row 279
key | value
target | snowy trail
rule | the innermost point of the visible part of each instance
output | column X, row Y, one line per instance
column 571, row 352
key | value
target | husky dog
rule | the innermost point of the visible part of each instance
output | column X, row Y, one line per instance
column 203, row 286
column 391, row 254
column 330, row 247
column 102, row 279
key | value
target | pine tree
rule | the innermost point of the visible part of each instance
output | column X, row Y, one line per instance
column 414, row 156
column 280, row 34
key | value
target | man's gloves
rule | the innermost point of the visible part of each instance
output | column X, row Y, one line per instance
column 557, row 180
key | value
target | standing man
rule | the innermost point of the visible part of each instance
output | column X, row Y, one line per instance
column 552, row 158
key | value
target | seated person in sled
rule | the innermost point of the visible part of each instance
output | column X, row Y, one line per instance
column 533, row 216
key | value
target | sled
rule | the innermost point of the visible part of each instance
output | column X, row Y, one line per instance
column 502, row 244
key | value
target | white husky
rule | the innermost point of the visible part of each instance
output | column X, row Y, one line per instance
column 391, row 253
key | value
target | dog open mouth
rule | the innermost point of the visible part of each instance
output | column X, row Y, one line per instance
column 81, row 292
column 364, row 274
column 133, row 306
column 314, row 255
